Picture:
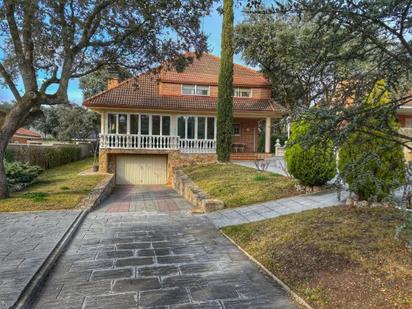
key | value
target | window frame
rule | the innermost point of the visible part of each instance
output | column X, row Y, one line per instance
column 233, row 129
column 150, row 132
column 195, row 91
column 186, row 116
column 239, row 90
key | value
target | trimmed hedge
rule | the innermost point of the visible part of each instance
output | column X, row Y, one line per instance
column 46, row 156
column 312, row 165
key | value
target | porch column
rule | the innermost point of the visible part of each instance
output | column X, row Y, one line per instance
column 268, row 131
column 102, row 122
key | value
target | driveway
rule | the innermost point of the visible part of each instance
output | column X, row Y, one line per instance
column 144, row 249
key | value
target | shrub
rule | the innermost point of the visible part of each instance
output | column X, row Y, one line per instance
column 44, row 156
column 371, row 165
column 312, row 164
column 21, row 173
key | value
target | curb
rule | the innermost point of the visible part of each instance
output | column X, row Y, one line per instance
column 295, row 296
column 34, row 285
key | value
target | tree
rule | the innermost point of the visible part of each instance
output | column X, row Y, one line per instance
column 312, row 164
column 225, row 89
column 45, row 44
column 371, row 165
column 47, row 122
column 96, row 82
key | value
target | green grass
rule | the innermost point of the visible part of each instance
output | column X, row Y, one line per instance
column 57, row 188
column 337, row 257
column 237, row 185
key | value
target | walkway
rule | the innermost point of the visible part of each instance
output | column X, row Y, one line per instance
column 144, row 249
column 272, row 209
column 27, row 238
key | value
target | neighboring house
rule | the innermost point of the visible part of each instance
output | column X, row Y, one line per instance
column 25, row 136
column 160, row 120
column 405, row 120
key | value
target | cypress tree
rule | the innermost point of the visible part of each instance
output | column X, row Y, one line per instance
column 225, row 93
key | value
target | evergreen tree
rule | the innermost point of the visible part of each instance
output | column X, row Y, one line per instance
column 225, row 100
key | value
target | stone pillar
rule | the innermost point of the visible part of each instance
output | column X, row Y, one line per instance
column 268, row 132
column 103, row 161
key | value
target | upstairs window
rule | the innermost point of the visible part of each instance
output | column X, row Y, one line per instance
column 242, row 92
column 195, row 90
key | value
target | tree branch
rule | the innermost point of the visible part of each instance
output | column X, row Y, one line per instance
column 9, row 82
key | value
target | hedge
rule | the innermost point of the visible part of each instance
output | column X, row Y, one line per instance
column 44, row 156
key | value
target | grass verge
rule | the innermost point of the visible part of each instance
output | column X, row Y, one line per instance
column 237, row 185
column 336, row 257
column 56, row 188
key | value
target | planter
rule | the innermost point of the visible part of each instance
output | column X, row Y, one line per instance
column 95, row 168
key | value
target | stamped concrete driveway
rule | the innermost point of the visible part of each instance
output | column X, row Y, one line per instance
column 143, row 249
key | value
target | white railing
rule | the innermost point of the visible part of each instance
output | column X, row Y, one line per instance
column 137, row 141
column 197, row 146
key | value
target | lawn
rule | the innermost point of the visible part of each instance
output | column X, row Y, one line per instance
column 57, row 188
column 337, row 257
column 237, row 185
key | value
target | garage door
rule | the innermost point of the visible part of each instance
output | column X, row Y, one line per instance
column 141, row 169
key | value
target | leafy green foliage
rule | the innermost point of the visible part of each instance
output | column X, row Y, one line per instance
column 20, row 173
column 225, row 100
column 313, row 164
column 370, row 164
column 45, row 157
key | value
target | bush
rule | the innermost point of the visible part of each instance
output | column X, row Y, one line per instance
column 21, row 173
column 44, row 156
column 312, row 164
column 371, row 165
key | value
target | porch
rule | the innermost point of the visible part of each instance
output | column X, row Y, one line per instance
column 183, row 133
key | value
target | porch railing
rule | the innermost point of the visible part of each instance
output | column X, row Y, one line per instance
column 156, row 142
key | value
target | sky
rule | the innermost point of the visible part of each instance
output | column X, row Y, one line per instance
column 211, row 26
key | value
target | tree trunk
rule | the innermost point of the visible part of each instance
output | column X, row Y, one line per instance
column 13, row 121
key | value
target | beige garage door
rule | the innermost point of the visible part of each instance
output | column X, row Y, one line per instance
column 141, row 169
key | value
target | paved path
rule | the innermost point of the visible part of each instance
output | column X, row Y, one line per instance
column 26, row 241
column 277, row 165
column 272, row 209
column 144, row 249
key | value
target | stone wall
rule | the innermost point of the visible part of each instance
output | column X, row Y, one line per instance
column 185, row 187
column 98, row 193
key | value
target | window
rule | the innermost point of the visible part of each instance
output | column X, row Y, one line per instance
column 155, row 125
column 210, row 128
column 134, row 124
column 165, row 125
column 122, row 129
column 236, row 129
column 201, row 127
column 188, row 89
column 242, row 92
column 144, row 124
column 190, row 127
column 195, row 90
column 111, row 123
column 202, row 90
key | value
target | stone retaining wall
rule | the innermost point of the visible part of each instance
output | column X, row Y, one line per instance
column 98, row 194
column 188, row 189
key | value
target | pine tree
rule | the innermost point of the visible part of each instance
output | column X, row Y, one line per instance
column 225, row 100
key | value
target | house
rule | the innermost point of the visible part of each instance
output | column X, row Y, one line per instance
column 163, row 119
column 405, row 120
column 25, row 136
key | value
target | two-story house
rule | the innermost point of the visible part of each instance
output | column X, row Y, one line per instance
column 160, row 120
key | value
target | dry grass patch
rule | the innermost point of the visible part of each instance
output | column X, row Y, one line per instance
column 337, row 257
column 57, row 188
column 237, row 185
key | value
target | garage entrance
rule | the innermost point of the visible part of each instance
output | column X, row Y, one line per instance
column 141, row 169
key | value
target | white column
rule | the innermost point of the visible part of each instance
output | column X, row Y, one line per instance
column 268, row 131
column 173, row 125
column 102, row 122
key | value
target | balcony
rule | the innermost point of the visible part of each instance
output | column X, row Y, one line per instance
column 156, row 142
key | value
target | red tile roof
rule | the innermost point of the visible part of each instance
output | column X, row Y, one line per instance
column 26, row 132
column 143, row 91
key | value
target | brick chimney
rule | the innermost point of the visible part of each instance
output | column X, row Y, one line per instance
column 112, row 82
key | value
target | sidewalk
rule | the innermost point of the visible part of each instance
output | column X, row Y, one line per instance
column 27, row 239
column 272, row 209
